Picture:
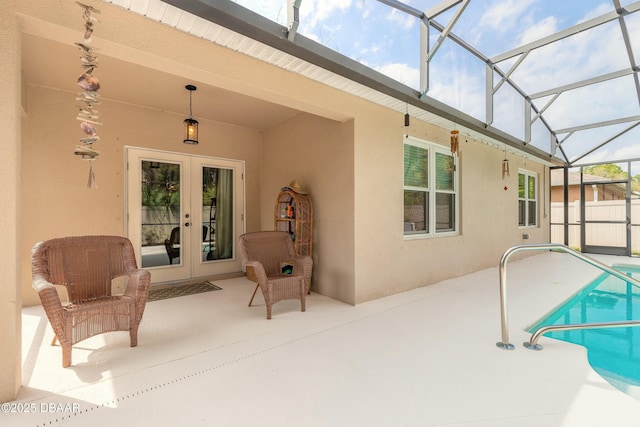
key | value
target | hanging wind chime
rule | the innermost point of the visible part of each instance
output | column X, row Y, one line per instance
column 407, row 118
column 505, row 163
column 454, row 141
column 86, row 100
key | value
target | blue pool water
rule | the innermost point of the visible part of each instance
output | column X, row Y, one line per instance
column 613, row 352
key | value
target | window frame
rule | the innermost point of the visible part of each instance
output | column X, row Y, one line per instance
column 526, row 199
column 432, row 191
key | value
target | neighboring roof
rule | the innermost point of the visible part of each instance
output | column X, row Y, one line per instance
column 557, row 178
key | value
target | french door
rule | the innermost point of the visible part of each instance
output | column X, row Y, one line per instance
column 184, row 213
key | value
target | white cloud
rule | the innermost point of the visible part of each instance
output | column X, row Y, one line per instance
column 401, row 72
column 538, row 30
column 314, row 13
column 504, row 15
column 372, row 49
column 402, row 20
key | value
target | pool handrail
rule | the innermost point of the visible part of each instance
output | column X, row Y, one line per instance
column 504, row 344
column 532, row 344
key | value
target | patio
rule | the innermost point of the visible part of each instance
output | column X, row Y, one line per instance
column 425, row 357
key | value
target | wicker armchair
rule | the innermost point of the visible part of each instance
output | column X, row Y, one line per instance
column 262, row 253
column 86, row 266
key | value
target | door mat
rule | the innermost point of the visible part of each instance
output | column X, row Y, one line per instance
column 175, row 291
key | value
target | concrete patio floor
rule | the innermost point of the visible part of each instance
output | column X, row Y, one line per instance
column 421, row 358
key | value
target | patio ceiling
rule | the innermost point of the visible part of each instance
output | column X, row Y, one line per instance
column 528, row 99
column 141, row 86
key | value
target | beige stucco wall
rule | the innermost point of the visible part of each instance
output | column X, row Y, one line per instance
column 359, row 245
column 10, row 224
column 319, row 154
column 385, row 262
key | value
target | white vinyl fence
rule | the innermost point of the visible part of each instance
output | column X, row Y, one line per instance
column 597, row 234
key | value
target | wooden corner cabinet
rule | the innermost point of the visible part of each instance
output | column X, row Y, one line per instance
column 294, row 214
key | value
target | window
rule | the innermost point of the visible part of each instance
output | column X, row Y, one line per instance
column 430, row 190
column 527, row 199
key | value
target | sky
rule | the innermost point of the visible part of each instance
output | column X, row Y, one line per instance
column 388, row 41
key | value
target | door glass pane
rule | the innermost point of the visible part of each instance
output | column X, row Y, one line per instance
column 209, row 184
column 160, row 219
column 217, row 214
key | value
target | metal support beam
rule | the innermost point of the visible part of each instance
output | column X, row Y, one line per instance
column 441, row 7
column 507, row 76
column 603, row 19
column 527, row 121
column 293, row 18
column 582, row 83
column 619, row 134
column 489, row 94
column 447, row 29
column 424, row 52
column 599, row 124
column 628, row 46
column 564, row 154
column 403, row 8
column 547, row 105
column 565, row 210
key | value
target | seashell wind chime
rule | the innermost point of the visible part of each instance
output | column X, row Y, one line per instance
column 86, row 100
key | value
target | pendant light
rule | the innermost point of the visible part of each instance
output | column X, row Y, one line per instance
column 190, row 124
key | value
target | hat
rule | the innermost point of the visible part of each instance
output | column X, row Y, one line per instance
column 296, row 187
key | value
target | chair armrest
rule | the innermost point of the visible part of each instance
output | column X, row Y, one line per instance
column 138, row 289
column 52, row 306
column 303, row 264
column 258, row 271
column 138, row 281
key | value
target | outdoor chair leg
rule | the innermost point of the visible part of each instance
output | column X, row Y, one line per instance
column 133, row 335
column 254, row 294
column 66, row 355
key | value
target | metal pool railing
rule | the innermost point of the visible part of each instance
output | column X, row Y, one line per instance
column 532, row 344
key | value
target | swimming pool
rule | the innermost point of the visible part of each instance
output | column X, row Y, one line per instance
column 613, row 352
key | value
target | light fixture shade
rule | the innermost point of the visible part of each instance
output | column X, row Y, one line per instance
column 190, row 124
column 190, row 131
